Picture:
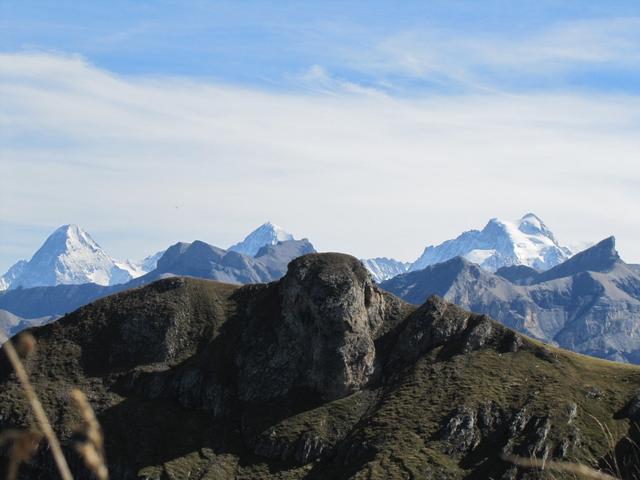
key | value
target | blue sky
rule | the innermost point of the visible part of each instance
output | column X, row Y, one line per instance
column 116, row 115
column 273, row 44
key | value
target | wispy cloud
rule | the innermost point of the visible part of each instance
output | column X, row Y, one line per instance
column 145, row 161
column 503, row 60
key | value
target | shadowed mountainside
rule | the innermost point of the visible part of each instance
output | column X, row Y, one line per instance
column 320, row 375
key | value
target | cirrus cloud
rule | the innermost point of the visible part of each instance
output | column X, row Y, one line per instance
column 143, row 161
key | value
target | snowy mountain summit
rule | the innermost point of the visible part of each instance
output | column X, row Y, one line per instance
column 265, row 234
column 383, row 268
column 526, row 241
column 68, row 256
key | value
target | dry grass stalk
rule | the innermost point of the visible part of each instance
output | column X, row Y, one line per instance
column 92, row 449
column 582, row 471
column 24, row 445
column 26, row 344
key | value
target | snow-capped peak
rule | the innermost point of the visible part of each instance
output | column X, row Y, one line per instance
column 137, row 268
column 532, row 225
column 265, row 234
column 68, row 256
column 526, row 241
column 68, row 238
column 383, row 268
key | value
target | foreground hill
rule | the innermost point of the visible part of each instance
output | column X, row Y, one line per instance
column 589, row 303
column 320, row 375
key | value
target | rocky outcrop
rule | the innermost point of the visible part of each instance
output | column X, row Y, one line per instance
column 324, row 338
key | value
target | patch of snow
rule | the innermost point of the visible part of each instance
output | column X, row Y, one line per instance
column 382, row 268
column 479, row 256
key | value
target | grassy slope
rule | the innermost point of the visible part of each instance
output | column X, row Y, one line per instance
column 395, row 424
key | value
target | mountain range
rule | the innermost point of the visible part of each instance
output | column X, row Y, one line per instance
column 196, row 259
column 70, row 256
column 590, row 303
column 319, row 375
column 587, row 303
column 501, row 243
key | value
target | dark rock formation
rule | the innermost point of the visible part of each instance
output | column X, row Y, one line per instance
column 319, row 375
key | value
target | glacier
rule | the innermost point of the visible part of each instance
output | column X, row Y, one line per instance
column 501, row 243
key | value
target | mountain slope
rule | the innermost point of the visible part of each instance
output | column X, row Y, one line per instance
column 12, row 274
column 265, row 234
column 69, row 256
column 501, row 243
column 8, row 321
column 589, row 304
column 320, row 375
column 11, row 324
column 383, row 268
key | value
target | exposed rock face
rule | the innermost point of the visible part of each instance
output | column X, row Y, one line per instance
column 324, row 339
column 319, row 375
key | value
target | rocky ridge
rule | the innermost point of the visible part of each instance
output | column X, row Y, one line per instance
column 319, row 375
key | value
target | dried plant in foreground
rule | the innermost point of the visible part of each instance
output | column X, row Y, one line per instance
column 582, row 471
column 26, row 344
column 91, row 449
column 24, row 444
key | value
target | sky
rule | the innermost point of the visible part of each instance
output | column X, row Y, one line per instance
column 372, row 128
